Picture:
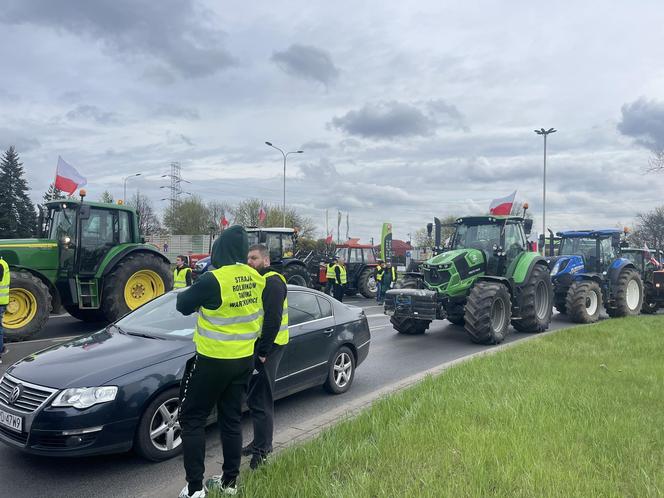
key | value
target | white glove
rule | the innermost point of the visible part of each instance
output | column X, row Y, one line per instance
column 391, row 285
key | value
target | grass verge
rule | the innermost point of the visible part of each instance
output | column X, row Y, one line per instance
column 576, row 413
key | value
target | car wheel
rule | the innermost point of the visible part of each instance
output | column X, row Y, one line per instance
column 341, row 371
column 159, row 436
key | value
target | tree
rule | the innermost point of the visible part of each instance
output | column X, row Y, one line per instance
column 53, row 193
column 656, row 162
column 107, row 197
column 17, row 213
column 422, row 239
column 189, row 217
column 246, row 214
column 217, row 211
column 148, row 223
column 649, row 229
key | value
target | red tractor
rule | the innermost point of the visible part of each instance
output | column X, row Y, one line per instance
column 360, row 268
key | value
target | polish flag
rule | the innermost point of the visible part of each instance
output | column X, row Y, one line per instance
column 223, row 222
column 503, row 205
column 67, row 178
column 328, row 239
column 261, row 215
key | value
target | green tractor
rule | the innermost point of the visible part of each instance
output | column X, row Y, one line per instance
column 89, row 258
column 486, row 279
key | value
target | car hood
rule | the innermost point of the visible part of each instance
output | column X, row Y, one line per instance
column 96, row 359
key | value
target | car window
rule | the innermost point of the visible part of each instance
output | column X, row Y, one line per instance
column 369, row 256
column 302, row 307
column 159, row 317
column 355, row 256
column 325, row 306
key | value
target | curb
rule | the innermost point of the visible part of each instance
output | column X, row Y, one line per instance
column 303, row 432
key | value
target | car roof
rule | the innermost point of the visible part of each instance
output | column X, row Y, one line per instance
column 598, row 233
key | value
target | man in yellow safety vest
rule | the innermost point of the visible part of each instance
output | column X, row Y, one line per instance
column 181, row 274
column 330, row 276
column 268, row 350
column 229, row 301
column 380, row 271
column 340, row 279
column 5, row 277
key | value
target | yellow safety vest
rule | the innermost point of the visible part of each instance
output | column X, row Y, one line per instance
column 229, row 332
column 330, row 273
column 394, row 274
column 4, row 283
column 379, row 273
column 282, row 336
column 180, row 277
column 342, row 272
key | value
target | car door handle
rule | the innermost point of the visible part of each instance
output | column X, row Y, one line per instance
column 329, row 331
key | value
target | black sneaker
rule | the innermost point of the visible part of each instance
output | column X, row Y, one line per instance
column 248, row 450
column 257, row 460
column 221, row 485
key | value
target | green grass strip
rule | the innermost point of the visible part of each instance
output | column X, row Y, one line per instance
column 576, row 413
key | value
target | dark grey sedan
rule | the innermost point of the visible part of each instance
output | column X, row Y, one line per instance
column 117, row 389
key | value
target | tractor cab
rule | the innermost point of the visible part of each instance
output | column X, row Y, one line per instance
column 591, row 250
column 360, row 260
column 282, row 243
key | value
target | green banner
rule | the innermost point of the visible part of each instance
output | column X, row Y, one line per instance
column 386, row 242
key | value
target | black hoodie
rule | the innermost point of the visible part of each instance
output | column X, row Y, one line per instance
column 231, row 247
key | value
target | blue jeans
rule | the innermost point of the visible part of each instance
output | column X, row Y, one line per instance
column 379, row 291
column 2, row 331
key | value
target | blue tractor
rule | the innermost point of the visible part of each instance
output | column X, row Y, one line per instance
column 589, row 271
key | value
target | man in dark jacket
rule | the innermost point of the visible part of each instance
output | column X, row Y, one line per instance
column 268, row 350
column 225, row 334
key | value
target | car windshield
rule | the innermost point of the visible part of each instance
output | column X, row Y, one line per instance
column 578, row 246
column 160, row 318
column 482, row 237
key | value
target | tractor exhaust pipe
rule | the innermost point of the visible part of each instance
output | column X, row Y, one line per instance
column 437, row 235
column 551, row 248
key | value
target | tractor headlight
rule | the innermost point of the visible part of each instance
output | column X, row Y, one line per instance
column 85, row 397
column 555, row 268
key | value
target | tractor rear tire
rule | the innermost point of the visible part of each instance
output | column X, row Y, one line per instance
column 297, row 275
column 456, row 319
column 487, row 314
column 28, row 309
column 367, row 284
column 136, row 280
column 85, row 315
column 584, row 301
column 536, row 302
column 626, row 302
column 649, row 307
column 410, row 326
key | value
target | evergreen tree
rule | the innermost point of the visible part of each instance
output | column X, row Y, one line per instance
column 17, row 213
column 53, row 193
column 106, row 197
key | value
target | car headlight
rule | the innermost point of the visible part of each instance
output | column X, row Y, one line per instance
column 85, row 397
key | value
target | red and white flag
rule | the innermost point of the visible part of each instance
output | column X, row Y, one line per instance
column 67, row 178
column 261, row 215
column 223, row 222
column 328, row 239
column 650, row 257
column 503, row 205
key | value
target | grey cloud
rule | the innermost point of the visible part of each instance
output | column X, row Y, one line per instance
column 21, row 142
column 91, row 113
column 172, row 31
column 384, row 120
column 307, row 62
column 176, row 111
column 315, row 145
column 643, row 120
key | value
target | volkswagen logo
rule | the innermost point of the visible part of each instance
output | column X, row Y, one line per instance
column 16, row 393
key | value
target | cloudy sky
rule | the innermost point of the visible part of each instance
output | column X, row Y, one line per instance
column 405, row 110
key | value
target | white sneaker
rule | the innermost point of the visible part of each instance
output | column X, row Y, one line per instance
column 217, row 483
column 198, row 494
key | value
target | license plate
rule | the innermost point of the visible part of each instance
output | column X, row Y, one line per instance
column 403, row 300
column 14, row 422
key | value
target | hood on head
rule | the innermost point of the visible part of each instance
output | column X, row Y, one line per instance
column 231, row 247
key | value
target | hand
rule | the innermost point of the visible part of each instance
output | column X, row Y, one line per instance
column 391, row 285
column 262, row 359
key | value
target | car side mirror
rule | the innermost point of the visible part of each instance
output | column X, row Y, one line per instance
column 528, row 225
column 84, row 212
column 429, row 229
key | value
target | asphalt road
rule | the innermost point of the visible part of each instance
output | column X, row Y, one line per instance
column 391, row 357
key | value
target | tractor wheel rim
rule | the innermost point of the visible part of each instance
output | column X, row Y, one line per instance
column 21, row 309
column 542, row 304
column 141, row 287
column 297, row 280
column 498, row 315
column 592, row 302
column 371, row 284
column 633, row 294
column 165, row 431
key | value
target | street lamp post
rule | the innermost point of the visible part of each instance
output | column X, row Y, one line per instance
column 544, row 133
column 285, row 154
column 124, row 191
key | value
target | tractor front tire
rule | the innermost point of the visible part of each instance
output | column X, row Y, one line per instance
column 584, row 301
column 297, row 275
column 536, row 302
column 649, row 307
column 410, row 326
column 487, row 314
column 628, row 299
column 85, row 315
column 134, row 281
column 28, row 309
column 367, row 284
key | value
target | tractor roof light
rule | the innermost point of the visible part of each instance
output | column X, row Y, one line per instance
column 525, row 205
column 120, row 202
column 626, row 230
column 82, row 193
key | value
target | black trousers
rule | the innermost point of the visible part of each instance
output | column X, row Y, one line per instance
column 329, row 287
column 260, row 400
column 339, row 292
column 208, row 382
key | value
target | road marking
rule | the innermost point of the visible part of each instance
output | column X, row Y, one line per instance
column 380, row 327
column 377, row 314
column 376, row 306
column 64, row 315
